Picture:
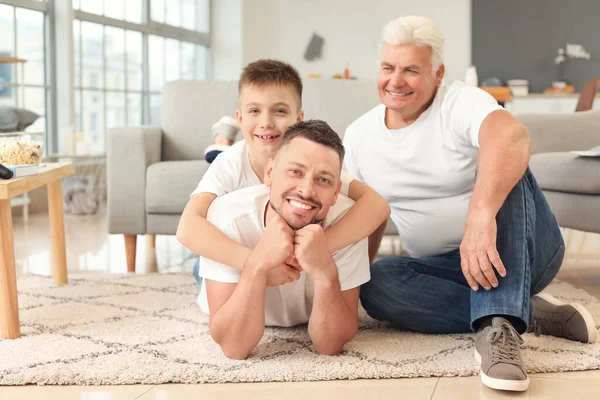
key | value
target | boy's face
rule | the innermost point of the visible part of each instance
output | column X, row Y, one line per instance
column 304, row 182
column 265, row 113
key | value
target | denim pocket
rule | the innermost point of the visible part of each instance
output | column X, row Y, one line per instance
column 550, row 271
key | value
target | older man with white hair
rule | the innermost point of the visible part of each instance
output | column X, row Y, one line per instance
column 481, row 240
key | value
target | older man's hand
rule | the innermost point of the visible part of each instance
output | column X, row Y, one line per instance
column 478, row 253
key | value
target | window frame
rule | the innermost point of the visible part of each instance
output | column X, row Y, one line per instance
column 147, row 28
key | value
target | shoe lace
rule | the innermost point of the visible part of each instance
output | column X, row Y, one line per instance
column 505, row 343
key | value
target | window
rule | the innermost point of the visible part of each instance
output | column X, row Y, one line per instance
column 24, row 85
column 122, row 61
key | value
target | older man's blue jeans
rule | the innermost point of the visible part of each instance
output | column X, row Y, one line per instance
column 431, row 295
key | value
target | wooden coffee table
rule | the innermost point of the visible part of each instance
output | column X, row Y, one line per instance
column 50, row 175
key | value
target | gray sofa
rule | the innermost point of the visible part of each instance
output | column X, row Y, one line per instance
column 151, row 171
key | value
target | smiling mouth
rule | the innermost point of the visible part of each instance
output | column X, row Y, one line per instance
column 267, row 137
column 300, row 205
column 399, row 94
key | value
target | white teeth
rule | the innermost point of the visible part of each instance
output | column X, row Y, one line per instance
column 399, row 93
column 300, row 205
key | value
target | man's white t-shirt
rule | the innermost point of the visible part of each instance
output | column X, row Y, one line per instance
column 425, row 171
column 231, row 170
column 240, row 215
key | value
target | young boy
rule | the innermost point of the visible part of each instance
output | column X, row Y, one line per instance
column 270, row 94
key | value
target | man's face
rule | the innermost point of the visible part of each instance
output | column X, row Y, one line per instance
column 305, row 181
column 405, row 81
column 265, row 113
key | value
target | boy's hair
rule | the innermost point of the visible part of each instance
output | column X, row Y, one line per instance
column 271, row 72
column 316, row 131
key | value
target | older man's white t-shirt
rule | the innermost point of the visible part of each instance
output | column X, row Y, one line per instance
column 240, row 215
column 425, row 171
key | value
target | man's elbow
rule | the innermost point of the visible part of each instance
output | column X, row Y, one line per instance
column 182, row 235
column 332, row 347
column 329, row 349
column 235, row 354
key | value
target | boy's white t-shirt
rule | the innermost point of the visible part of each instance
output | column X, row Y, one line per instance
column 425, row 171
column 231, row 170
column 240, row 215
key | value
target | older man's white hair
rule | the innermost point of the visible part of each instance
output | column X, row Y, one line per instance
column 417, row 30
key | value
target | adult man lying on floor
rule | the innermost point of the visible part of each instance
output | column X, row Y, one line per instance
column 280, row 220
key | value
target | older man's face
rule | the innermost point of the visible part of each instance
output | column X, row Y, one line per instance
column 405, row 80
column 304, row 181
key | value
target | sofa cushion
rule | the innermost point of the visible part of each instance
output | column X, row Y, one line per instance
column 566, row 172
column 170, row 183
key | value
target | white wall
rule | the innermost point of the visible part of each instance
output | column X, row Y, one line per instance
column 226, row 39
column 282, row 29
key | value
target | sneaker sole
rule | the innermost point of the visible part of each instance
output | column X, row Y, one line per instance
column 500, row 384
column 587, row 317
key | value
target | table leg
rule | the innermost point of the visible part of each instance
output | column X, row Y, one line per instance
column 57, row 232
column 9, row 305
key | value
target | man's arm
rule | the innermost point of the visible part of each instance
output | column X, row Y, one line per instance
column 503, row 159
column 237, row 310
column 334, row 317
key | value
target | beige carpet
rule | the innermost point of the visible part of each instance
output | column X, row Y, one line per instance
column 122, row 329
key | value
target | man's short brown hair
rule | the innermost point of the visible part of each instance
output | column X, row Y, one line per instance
column 316, row 131
column 271, row 72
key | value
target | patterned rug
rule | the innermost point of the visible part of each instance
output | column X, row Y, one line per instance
column 106, row 329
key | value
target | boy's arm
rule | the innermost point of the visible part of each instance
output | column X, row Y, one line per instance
column 369, row 211
column 200, row 236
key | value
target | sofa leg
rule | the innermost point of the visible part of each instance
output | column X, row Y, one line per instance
column 151, row 252
column 130, row 244
column 151, row 242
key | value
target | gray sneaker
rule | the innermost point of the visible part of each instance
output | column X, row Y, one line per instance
column 497, row 349
column 550, row 316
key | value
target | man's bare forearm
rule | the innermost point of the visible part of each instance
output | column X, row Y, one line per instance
column 239, row 324
column 332, row 324
column 503, row 159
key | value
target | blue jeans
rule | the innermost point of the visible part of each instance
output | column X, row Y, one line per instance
column 431, row 295
column 196, row 271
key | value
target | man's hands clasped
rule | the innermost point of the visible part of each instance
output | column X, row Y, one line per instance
column 283, row 253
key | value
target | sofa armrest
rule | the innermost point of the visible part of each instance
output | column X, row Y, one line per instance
column 130, row 150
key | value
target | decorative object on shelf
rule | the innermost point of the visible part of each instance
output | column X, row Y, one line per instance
column 518, row 87
column 471, row 76
column 562, row 59
column 314, row 49
column 492, row 81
